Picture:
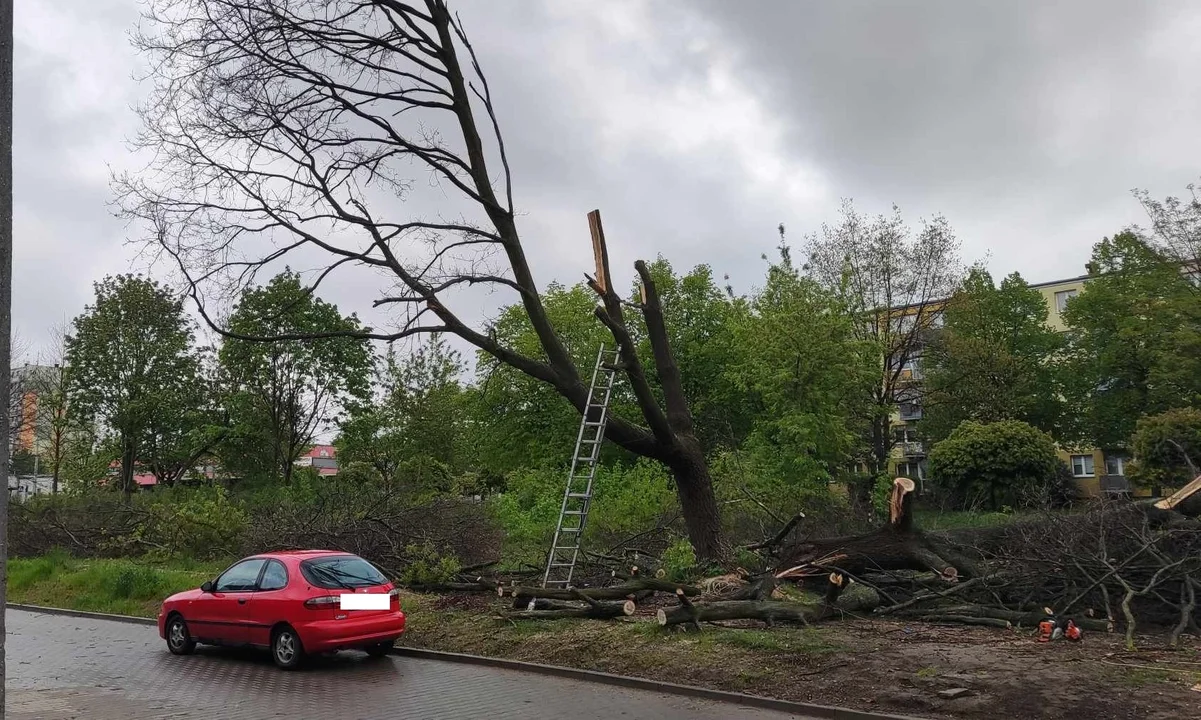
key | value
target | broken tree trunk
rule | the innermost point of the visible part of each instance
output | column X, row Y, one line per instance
column 896, row 546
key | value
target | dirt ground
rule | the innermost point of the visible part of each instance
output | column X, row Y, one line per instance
column 905, row 668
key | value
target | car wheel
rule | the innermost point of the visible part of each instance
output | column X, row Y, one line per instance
column 179, row 641
column 286, row 649
column 378, row 650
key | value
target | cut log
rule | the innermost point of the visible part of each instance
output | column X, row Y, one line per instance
column 599, row 611
column 454, row 587
column 1184, row 493
column 616, row 592
column 769, row 612
column 1015, row 617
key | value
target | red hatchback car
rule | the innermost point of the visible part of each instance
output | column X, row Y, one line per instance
column 289, row 602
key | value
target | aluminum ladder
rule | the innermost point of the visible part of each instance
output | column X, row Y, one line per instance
column 565, row 549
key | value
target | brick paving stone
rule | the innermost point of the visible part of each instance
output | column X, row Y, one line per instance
column 62, row 668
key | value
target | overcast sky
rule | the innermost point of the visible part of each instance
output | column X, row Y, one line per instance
column 697, row 126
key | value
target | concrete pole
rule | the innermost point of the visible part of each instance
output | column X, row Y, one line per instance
column 6, row 282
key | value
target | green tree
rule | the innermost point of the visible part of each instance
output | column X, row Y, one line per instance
column 1167, row 448
column 1135, row 340
column 994, row 465
column 133, row 367
column 283, row 392
column 420, row 416
column 994, row 359
column 524, row 423
column 805, row 375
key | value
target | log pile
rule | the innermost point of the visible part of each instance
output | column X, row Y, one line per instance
column 1111, row 566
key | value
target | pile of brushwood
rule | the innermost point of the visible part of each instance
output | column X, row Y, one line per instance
column 1114, row 565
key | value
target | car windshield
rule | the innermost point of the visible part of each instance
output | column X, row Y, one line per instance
column 341, row 571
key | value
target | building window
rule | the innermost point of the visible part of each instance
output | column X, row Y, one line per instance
column 1061, row 299
column 910, row 411
column 1082, row 465
column 1115, row 464
column 912, row 470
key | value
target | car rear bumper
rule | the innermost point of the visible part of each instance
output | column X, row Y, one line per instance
column 351, row 632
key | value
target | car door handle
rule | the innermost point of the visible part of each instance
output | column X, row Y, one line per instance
column 241, row 601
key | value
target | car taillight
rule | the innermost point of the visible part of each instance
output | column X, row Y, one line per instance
column 324, row 602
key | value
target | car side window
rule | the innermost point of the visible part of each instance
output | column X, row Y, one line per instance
column 275, row 577
column 241, row 577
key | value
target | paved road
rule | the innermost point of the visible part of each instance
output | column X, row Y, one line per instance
column 64, row 667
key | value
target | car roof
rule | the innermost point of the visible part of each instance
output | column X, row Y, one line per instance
column 300, row 553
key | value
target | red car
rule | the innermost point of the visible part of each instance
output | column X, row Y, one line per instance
column 290, row 602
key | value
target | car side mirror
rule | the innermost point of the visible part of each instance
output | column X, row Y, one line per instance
column 207, row 586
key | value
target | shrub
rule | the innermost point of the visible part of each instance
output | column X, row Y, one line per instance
column 1161, row 443
column 994, row 465
column 679, row 562
column 428, row 566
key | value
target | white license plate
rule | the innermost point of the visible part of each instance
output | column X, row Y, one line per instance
column 365, row 601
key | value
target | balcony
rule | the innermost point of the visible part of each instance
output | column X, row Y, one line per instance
column 910, row 411
column 913, row 448
column 1114, row 484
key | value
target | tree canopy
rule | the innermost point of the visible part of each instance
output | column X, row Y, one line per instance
column 993, row 359
column 134, row 371
column 282, row 394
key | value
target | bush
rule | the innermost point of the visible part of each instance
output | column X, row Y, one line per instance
column 626, row 500
column 995, row 465
column 428, row 566
column 1160, row 444
column 679, row 562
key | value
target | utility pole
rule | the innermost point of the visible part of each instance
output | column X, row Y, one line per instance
column 6, row 286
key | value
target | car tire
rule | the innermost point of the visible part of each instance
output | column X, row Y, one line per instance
column 378, row 650
column 179, row 640
column 286, row 650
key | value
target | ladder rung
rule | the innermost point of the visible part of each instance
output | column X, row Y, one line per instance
column 562, row 564
column 567, row 547
column 579, row 495
column 589, row 423
column 574, row 512
column 569, row 530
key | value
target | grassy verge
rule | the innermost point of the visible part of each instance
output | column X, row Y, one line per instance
column 752, row 660
column 123, row 587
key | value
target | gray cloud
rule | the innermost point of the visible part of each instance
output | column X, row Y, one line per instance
column 698, row 126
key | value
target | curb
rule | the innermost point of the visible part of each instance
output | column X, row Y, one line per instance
column 795, row 708
column 766, row 703
column 81, row 614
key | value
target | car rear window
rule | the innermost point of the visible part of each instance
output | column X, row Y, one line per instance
column 341, row 571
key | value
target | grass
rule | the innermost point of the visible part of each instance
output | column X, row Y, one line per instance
column 123, row 587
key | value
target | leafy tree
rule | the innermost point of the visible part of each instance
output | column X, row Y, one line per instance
column 994, row 359
column 1135, row 340
column 892, row 281
column 524, row 423
column 806, row 376
column 283, row 393
column 1167, row 448
column 133, row 366
column 1006, row 463
column 422, row 414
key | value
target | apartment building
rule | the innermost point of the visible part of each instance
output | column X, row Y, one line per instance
column 1097, row 471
